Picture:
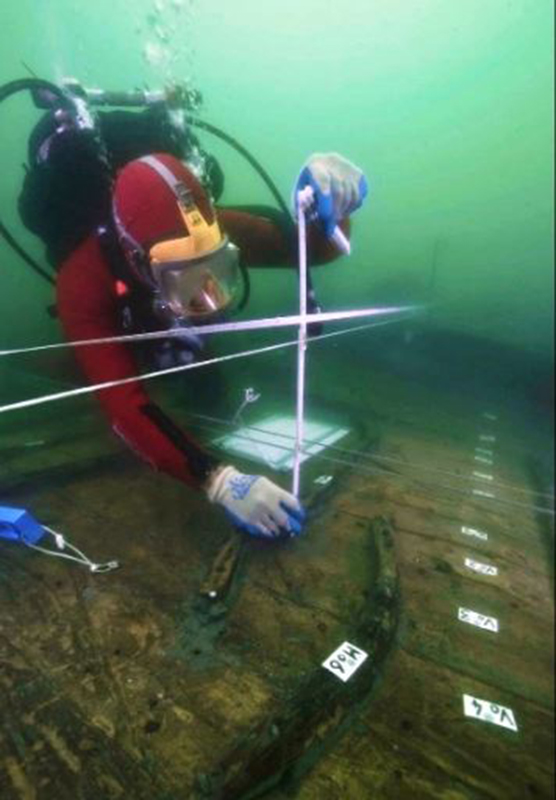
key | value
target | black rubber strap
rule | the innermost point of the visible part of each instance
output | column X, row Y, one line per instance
column 200, row 462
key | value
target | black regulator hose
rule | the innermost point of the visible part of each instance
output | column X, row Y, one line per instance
column 37, row 86
column 25, row 256
column 206, row 126
column 33, row 85
column 9, row 89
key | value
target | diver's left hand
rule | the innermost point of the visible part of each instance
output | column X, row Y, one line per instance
column 339, row 187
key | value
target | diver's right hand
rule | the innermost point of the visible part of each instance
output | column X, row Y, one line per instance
column 255, row 504
column 339, row 187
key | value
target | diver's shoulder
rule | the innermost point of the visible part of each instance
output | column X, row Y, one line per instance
column 85, row 283
column 85, row 261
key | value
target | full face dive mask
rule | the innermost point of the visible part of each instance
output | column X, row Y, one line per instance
column 194, row 277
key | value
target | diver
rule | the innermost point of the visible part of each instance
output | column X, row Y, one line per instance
column 182, row 254
column 156, row 253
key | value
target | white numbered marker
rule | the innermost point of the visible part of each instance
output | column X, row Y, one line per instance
column 483, row 460
column 475, row 533
column 483, row 476
column 483, row 569
column 489, row 712
column 323, row 480
column 345, row 660
column 479, row 620
column 481, row 451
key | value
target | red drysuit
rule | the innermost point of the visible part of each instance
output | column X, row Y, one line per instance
column 88, row 306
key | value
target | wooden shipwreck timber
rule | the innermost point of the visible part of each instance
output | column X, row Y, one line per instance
column 287, row 744
column 196, row 670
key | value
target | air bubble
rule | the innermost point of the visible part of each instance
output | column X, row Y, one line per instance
column 154, row 54
column 161, row 33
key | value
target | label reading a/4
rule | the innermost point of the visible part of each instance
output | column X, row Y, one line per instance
column 489, row 712
column 345, row 660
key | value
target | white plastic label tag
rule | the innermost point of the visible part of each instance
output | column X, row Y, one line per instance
column 481, row 493
column 482, row 476
column 487, row 437
column 473, row 532
column 483, row 460
column 479, row 620
column 323, row 480
column 484, row 569
column 489, row 712
column 345, row 660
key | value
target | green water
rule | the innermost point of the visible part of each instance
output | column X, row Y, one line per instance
column 446, row 106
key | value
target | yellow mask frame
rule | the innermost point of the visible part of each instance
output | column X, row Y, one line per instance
column 202, row 239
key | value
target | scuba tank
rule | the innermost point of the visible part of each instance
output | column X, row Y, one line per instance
column 74, row 152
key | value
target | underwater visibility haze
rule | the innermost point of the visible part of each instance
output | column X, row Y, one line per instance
column 312, row 562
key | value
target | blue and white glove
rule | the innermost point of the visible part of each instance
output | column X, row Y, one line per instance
column 338, row 185
column 255, row 504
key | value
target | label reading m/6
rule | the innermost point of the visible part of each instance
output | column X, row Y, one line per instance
column 345, row 660
column 489, row 712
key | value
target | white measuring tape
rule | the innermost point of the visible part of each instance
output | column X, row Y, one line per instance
column 35, row 401
column 287, row 321
column 304, row 200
